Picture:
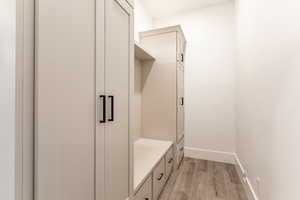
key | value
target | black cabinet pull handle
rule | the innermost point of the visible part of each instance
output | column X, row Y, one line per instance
column 160, row 177
column 170, row 161
column 182, row 101
column 181, row 149
column 182, row 57
column 146, row 198
column 111, row 108
column 102, row 97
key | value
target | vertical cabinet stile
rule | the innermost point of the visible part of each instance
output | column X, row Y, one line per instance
column 100, row 102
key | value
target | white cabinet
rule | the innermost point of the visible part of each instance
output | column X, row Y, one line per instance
column 150, row 158
column 159, row 106
column 180, row 86
column 180, row 103
column 163, row 89
column 82, row 98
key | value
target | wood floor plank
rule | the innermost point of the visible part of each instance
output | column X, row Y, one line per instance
column 241, row 192
column 204, row 180
column 184, row 181
column 200, row 178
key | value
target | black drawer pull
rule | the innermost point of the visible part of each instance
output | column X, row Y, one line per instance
column 181, row 149
column 182, row 101
column 160, row 177
column 103, row 98
column 170, row 161
column 111, row 108
column 146, row 198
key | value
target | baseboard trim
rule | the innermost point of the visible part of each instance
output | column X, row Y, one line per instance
column 207, row 154
column 245, row 180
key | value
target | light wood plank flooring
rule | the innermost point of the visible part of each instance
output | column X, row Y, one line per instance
column 204, row 180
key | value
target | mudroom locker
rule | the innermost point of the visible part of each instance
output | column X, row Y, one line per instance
column 84, row 55
column 158, row 109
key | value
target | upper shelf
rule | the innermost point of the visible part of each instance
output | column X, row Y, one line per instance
column 141, row 53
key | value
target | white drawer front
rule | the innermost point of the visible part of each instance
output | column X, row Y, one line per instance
column 145, row 191
column 158, row 179
column 169, row 162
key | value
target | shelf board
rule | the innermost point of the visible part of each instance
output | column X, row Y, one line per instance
column 141, row 53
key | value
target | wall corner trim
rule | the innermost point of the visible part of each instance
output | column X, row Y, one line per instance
column 245, row 180
column 207, row 154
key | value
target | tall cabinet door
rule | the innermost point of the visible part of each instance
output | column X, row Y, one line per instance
column 180, row 87
column 180, row 103
column 64, row 100
column 118, row 57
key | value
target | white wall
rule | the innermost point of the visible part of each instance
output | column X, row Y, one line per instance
column 209, row 77
column 142, row 20
column 7, row 99
column 137, row 99
column 269, row 96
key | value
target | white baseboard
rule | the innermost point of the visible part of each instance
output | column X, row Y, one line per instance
column 245, row 180
column 206, row 154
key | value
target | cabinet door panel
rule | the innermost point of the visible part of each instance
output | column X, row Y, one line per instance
column 117, row 63
column 64, row 100
column 180, row 103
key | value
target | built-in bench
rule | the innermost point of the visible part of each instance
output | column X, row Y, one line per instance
column 153, row 165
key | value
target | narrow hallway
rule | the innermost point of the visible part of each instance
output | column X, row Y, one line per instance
column 204, row 180
column 149, row 100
